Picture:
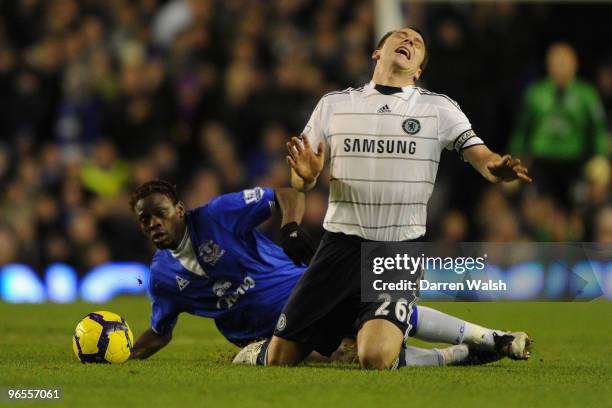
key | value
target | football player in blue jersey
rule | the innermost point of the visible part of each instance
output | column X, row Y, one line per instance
column 212, row 262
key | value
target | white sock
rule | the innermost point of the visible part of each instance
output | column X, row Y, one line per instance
column 435, row 326
column 420, row 357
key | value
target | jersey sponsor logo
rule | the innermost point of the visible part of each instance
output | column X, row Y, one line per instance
column 252, row 195
column 210, row 252
column 411, row 126
column 226, row 301
column 220, row 287
column 462, row 138
column 364, row 145
column 181, row 282
column 281, row 323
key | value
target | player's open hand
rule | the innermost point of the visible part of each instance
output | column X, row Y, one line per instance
column 508, row 169
column 306, row 163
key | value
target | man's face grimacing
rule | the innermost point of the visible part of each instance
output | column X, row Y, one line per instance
column 403, row 50
column 160, row 220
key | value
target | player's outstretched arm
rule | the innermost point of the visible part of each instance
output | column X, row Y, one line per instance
column 291, row 203
column 148, row 344
column 494, row 167
column 306, row 165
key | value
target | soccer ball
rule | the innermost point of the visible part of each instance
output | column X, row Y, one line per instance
column 102, row 337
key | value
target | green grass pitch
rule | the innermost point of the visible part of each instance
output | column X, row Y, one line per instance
column 571, row 365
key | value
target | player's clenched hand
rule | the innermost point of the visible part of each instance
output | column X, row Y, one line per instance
column 306, row 163
column 507, row 169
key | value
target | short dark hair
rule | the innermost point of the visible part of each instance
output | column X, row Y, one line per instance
column 382, row 41
column 151, row 187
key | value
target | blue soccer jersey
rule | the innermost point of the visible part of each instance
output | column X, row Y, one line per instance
column 244, row 280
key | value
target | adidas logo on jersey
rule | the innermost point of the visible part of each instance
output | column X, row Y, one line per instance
column 384, row 109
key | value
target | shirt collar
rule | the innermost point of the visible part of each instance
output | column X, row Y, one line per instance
column 388, row 90
column 184, row 242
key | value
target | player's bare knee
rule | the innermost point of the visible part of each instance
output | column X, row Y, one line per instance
column 376, row 354
column 276, row 355
column 378, row 344
column 283, row 353
column 275, row 359
column 376, row 358
column 278, row 358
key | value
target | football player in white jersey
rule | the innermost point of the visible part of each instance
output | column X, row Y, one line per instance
column 385, row 141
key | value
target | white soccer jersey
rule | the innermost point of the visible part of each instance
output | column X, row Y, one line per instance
column 384, row 146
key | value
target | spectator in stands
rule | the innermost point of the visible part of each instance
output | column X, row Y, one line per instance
column 561, row 126
column 105, row 175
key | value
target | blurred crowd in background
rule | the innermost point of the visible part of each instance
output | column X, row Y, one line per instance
column 98, row 96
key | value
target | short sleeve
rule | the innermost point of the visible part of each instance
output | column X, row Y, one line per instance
column 242, row 212
column 164, row 312
column 316, row 128
column 455, row 130
column 164, row 315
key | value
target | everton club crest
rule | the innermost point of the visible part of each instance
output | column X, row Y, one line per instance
column 210, row 252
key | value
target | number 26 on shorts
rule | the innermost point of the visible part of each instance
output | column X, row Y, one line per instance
column 401, row 307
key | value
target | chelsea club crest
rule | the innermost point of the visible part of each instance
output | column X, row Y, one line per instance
column 411, row 126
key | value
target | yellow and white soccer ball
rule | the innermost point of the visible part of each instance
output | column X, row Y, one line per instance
column 102, row 337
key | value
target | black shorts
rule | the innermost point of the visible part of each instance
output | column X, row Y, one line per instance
column 325, row 306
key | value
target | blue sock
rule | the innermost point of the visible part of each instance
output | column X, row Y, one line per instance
column 401, row 359
column 414, row 319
